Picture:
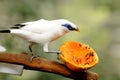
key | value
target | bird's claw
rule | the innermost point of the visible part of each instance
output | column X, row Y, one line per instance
column 33, row 56
column 58, row 55
column 61, row 54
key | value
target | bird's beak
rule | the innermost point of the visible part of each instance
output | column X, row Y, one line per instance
column 78, row 30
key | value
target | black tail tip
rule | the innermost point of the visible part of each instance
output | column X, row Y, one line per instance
column 4, row 31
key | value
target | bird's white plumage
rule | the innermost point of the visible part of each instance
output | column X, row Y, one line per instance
column 43, row 31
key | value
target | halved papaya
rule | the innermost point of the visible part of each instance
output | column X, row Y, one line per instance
column 78, row 56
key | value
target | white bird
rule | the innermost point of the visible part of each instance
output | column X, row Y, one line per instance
column 42, row 31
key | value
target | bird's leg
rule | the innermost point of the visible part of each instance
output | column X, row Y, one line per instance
column 58, row 52
column 45, row 48
column 32, row 55
column 30, row 48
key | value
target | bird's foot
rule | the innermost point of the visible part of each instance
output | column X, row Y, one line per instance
column 33, row 56
column 58, row 55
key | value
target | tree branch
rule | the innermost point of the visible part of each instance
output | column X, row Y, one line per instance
column 41, row 64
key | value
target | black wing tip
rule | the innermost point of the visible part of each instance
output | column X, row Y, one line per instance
column 21, row 25
column 18, row 26
column 4, row 31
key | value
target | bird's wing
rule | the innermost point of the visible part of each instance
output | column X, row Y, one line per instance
column 40, row 26
column 20, row 25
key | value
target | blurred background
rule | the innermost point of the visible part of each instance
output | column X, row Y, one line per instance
column 98, row 20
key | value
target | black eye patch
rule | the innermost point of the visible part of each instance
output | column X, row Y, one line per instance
column 68, row 26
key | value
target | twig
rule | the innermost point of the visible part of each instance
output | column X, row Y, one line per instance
column 41, row 64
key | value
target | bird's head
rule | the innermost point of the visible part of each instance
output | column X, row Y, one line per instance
column 68, row 25
column 71, row 27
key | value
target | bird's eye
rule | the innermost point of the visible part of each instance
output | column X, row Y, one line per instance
column 68, row 26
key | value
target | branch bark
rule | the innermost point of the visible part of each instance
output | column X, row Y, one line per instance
column 41, row 64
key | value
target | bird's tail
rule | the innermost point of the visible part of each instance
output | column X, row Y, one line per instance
column 5, row 31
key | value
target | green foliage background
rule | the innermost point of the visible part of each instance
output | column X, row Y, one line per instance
column 98, row 20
